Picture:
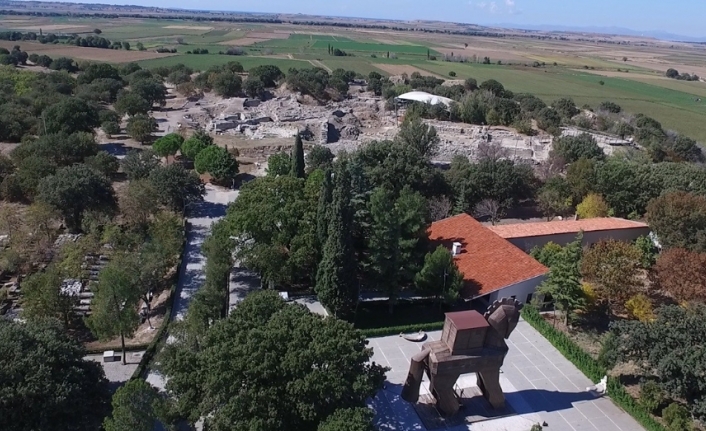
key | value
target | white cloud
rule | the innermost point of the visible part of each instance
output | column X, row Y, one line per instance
column 502, row 7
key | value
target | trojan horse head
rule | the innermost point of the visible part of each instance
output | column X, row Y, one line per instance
column 503, row 316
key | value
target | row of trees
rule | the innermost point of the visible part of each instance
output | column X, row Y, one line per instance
column 210, row 159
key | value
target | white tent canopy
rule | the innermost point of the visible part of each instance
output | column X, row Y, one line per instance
column 424, row 97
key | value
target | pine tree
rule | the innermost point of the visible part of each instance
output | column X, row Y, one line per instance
column 383, row 244
column 336, row 283
column 564, row 280
column 298, row 158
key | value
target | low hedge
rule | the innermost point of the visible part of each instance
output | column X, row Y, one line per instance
column 394, row 330
column 591, row 368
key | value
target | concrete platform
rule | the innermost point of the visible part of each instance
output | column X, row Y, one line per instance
column 540, row 385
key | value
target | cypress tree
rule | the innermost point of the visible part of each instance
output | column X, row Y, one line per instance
column 298, row 158
column 322, row 211
column 384, row 244
column 336, row 284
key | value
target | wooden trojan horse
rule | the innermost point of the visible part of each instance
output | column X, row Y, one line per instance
column 470, row 343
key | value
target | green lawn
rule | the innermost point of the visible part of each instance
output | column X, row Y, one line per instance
column 203, row 62
column 319, row 37
column 375, row 47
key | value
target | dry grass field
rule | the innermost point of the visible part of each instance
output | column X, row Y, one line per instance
column 82, row 53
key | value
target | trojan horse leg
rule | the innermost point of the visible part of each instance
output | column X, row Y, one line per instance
column 442, row 387
column 489, row 384
column 410, row 390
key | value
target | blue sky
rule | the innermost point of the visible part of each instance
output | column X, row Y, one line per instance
column 683, row 17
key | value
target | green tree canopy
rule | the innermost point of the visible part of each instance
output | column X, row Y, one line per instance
column 135, row 407
column 217, row 162
column 440, row 276
column 73, row 190
column 104, row 163
column 69, row 116
column 168, row 145
column 670, row 348
column 254, row 88
column 336, row 283
column 564, row 280
column 279, row 164
column 46, row 382
column 140, row 127
column 565, row 107
column 42, row 296
column 298, row 158
column 176, row 187
column 150, row 89
column 275, row 219
column 679, row 220
column 245, row 358
column 355, row 419
column 114, row 305
column 192, row 147
column 614, row 266
column 555, row 198
column 227, row 84
column 319, row 157
column 131, row 103
column 139, row 164
column 573, row 148
column 268, row 74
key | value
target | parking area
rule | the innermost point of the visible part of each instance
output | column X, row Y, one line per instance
column 540, row 385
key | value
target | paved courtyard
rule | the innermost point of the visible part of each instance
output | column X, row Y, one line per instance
column 540, row 385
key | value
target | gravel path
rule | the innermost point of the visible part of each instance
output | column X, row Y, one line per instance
column 191, row 276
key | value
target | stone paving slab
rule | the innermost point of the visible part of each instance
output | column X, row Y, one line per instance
column 539, row 384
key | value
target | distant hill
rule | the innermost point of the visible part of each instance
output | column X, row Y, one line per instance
column 662, row 35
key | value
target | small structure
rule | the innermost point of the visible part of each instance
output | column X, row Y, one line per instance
column 109, row 356
column 424, row 97
column 529, row 235
column 470, row 343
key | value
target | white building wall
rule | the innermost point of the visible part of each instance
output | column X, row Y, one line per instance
column 520, row 290
column 589, row 238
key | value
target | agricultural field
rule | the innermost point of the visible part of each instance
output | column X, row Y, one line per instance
column 203, row 62
column 631, row 75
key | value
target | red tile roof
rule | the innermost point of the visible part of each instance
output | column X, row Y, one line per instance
column 487, row 261
column 525, row 230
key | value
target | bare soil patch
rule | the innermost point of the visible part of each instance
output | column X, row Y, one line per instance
column 53, row 27
column 78, row 52
column 399, row 69
column 243, row 41
column 268, row 35
column 188, row 27
column 616, row 74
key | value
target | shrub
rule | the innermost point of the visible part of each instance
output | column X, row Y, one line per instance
column 590, row 295
column 640, row 307
column 677, row 417
column 452, row 74
column 592, row 206
column 651, row 396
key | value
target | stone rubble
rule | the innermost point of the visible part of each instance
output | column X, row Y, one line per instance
column 348, row 124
